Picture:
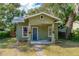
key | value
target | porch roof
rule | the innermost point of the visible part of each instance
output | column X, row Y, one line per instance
column 18, row 19
column 21, row 19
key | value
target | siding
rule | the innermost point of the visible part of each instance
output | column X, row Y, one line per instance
column 19, row 31
column 43, row 32
column 38, row 21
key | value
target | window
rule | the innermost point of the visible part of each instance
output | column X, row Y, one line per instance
column 49, row 31
column 24, row 31
column 41, row 17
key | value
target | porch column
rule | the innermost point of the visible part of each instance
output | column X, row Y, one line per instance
column 53, row 37
column 29, row 32
column 56, row 31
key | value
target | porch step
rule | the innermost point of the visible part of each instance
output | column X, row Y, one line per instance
column 40, row 42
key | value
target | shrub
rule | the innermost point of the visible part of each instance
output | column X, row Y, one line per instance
column 75, row 35
column 4, row 34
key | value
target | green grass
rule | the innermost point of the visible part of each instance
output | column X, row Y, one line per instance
column 66, row 48
column 5, row 43
column 21, row 50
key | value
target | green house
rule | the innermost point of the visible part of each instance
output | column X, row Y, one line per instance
column 40, row 28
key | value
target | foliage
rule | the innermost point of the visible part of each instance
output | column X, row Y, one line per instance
column 7, row 12
column 75, row 35
column 4, row 34
column 77, row 17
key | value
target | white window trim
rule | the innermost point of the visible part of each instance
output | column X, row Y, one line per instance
column 22, row 31
column 32, row 32
column 48, row 31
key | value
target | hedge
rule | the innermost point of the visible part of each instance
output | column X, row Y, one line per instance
column 4, row 34
column 75, row 35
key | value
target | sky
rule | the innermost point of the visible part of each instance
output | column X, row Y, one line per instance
column 28, row 6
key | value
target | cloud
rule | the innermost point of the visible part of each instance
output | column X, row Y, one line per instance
column 27, row 6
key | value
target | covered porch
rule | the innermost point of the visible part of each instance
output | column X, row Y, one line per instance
column 42, row 34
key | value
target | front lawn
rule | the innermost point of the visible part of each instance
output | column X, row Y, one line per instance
column 66, row 48
column 8, row 48
column 7, row 42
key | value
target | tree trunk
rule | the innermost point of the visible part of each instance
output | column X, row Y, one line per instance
column 69, row 26
column 70, row 21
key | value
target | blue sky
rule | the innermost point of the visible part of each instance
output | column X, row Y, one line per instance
column 28, row 6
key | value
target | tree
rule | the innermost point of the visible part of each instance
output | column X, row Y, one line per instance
column 8, row 11
column 71, row 18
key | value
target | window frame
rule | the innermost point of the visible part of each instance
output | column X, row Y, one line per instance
column 49, row 31
column 23, row 32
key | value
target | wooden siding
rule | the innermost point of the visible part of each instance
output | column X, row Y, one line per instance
column 38, row 21
column 19, row 31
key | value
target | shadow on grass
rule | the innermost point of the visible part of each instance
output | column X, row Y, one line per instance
column 67, row 43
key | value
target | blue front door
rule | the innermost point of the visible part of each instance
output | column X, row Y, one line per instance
column 35, row 34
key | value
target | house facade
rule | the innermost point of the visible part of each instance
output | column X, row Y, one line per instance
column 41, row 28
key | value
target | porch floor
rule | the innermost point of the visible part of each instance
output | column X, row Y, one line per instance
column 41, row 42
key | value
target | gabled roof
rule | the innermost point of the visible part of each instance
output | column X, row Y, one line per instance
column 44, row 14
column 21, row 19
